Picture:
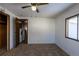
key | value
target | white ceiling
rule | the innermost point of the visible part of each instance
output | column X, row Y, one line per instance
column 50, row 10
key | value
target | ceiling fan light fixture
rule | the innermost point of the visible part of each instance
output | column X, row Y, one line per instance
column 33, row 8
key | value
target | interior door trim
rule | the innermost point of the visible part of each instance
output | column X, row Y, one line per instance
column 8, row 29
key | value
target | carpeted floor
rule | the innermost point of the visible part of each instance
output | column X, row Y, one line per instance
column 36, row 50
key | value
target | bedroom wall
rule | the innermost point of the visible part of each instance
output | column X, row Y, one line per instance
column 70, row 46
column 41, row 30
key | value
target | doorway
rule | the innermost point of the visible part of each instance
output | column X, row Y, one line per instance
column 21, row 31
column 4, row 31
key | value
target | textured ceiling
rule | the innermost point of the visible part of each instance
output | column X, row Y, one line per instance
column 50, row 10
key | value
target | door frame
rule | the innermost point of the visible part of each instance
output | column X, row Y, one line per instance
column 8, row 29
column 16, row 32
column 26, row 41
column 27, row 31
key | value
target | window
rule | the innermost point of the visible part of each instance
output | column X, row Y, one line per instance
column 71, row 27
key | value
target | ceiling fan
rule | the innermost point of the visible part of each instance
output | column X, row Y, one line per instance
column 34, row 6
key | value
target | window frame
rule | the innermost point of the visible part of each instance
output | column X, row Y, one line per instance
column 66, row 27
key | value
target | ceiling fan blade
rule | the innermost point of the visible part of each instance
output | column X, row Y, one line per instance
column 42, row 4
column 25, row 7
column 33, row 4
column 38, row 4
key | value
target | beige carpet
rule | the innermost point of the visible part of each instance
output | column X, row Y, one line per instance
column 36, row 50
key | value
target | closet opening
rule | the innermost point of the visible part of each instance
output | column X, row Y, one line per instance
column 21, row 31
